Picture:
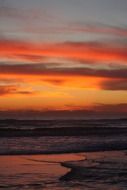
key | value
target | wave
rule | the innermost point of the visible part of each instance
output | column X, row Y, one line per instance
column 62, row 131
column 33, row 124
column 100, row 147
column 100, row 170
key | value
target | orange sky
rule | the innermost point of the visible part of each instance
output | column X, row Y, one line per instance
column 50, row 60
column 82, row 77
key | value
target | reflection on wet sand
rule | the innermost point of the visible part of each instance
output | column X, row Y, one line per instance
column 34, row 172
column 92, row 171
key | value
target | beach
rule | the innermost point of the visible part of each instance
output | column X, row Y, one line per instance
column 63, row 95
column 91, row 157
column 34, row 171
column 95, row 170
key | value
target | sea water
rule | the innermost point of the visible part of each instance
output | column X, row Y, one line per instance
column 37, row 162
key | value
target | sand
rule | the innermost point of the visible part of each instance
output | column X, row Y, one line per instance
column 34, row 171
column 97, row 170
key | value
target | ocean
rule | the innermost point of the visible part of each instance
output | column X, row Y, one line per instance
column 63, row 154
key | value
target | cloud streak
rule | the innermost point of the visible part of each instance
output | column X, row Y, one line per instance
column 96, row 52
column 43, row 69
column 96, row 28
column 107, row 79
column 13, row 89
column 118, row 84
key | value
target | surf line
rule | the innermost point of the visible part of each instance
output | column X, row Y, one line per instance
column 82, row 157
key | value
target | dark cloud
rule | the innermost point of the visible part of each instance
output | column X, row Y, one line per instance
column 117, row 84
column 55, row 81
column 46, row 69
column 25, row 92
column 12, row 89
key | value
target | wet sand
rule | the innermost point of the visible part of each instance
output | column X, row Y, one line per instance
column 90, row 171
column 35, row 171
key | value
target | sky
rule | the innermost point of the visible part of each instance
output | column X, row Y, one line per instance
column 63, row 58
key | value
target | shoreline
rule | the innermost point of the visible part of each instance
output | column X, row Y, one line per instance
column 18, row 171
column 48, row 170
column 95, row 164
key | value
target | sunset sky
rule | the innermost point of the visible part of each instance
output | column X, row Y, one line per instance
column 63, row 58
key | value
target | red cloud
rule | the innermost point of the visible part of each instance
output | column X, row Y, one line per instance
column 12, row 89
column 85, row 51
